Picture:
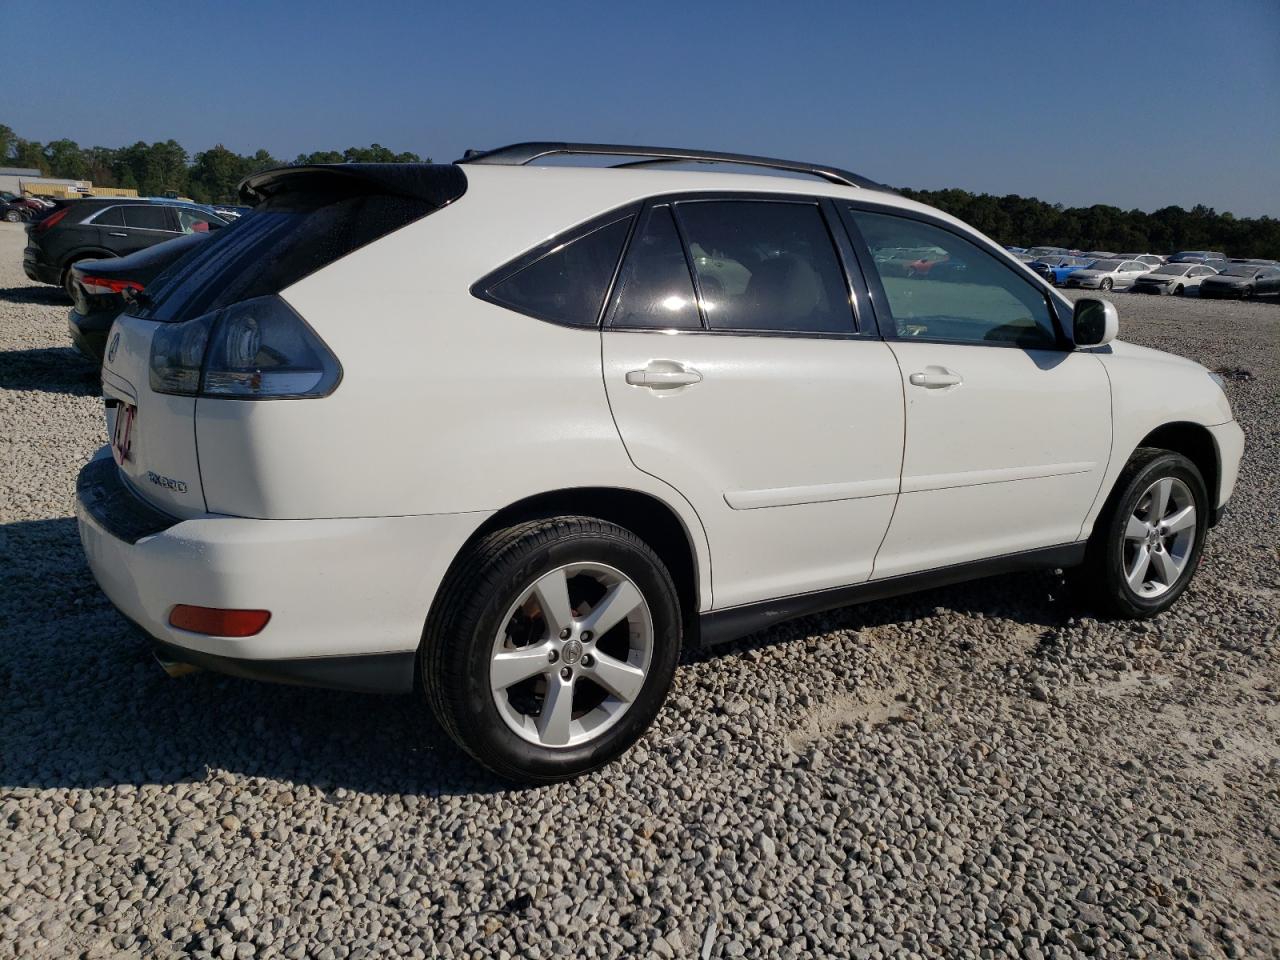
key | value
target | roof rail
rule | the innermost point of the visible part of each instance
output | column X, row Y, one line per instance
column 520, row 154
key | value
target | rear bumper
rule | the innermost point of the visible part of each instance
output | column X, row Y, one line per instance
column 38, row 270
column 348, row 597
column 89, row 332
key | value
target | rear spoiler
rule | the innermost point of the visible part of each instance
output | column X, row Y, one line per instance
column 436, row 183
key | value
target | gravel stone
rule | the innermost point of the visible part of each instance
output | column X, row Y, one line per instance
column 984, row 770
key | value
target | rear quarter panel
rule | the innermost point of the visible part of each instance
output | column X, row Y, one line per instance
column 447, row 403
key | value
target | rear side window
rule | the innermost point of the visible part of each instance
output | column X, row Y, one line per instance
column 147, row 218
column 766, row 266
column 110, row 217
column 567, row 284
column 655, row 290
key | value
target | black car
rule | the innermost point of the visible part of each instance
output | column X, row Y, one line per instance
column 1241, row 281
column 101, row 289
column 106, row 227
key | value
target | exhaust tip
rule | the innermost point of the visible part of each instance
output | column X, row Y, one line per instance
column 175, row 668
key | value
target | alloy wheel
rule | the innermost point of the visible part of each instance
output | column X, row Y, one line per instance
column 1159, row 538
column 572, row 655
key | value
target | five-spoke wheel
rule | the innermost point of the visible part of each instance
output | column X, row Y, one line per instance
column 552, row 646
column 1147, row 542
column 1159, row 536
column 572, row 655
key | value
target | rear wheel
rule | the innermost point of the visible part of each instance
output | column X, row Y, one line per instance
column 13, row 216
column 1147, row 544
column 553, row 647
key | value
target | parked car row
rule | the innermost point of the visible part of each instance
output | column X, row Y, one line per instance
column 16, row 209
column 1178, row 274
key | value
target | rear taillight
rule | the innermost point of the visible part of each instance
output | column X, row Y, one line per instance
column 217, row 622
column 256, row 350
column 101, row 286
column 40, row 226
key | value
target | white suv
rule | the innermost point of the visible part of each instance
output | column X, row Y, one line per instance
column 515, row 432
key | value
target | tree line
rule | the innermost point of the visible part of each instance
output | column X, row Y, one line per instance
column 154, row 169
column 213, row 175
column 1028, row 222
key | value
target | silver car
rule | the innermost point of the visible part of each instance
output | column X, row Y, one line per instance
column 1176, row 279
column 1108, row 274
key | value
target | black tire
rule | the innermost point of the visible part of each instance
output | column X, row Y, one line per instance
column 1246, row 293
column 1101, row 580
column 1106, row 284
column 1179, row 290
column 481, row 588
column 12, row 216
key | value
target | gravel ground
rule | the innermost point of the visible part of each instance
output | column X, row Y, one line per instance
column 977, row 771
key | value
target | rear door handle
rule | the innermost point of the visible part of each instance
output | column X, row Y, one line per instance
column 663, row 375
column 934, row 377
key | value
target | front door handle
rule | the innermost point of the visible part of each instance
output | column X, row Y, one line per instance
column 935, row 377
column 114, row 234
column 663, row 375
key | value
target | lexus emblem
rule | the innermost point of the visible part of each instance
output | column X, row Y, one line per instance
column 111, row 350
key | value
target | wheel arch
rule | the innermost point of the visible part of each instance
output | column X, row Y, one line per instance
column 644, row 514
column 1195, row 442
column 85, row 253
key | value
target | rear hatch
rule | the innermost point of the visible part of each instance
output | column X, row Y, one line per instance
column 306, row 218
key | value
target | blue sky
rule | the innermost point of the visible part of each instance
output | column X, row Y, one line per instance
column 1136, row 104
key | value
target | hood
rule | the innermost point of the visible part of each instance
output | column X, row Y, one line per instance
column 1228, row 281
column 1084, row 273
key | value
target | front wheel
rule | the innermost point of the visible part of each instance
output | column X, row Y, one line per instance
column 1178, row 291
column 1106, row 284
column 1147, row 543
column 552, row 647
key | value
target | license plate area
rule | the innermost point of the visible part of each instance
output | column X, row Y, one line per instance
column 122, row 431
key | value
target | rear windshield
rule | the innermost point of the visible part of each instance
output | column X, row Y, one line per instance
column 283, row 240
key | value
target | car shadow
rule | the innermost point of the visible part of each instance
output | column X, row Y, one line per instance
column 43, row 295
column 50, row 370
column 86, row 704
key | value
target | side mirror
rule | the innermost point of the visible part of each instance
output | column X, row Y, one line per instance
column 1094, row 322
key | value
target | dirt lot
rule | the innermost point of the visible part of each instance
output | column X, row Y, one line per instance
column 982, row 770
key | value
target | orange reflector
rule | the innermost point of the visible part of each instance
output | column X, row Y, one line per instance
column 219, row 623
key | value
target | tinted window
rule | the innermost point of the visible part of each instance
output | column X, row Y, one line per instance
column 283, row 240
column 969, row 297
column 764, row 265
column 110, row 217
column 147, row 218
column 567, row 285
column 654, row 286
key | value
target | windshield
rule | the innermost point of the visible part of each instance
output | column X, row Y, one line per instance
column 1173, row 270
